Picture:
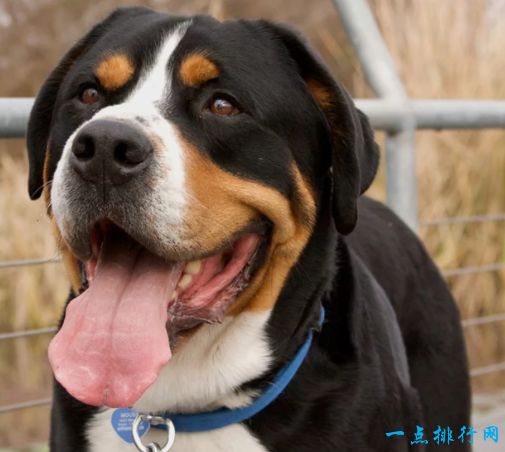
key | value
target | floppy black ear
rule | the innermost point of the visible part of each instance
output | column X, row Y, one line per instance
column 39, row 123
column 354, row 154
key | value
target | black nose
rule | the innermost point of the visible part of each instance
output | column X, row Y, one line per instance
column 106, row 151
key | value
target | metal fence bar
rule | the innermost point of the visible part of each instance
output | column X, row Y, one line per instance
column 27, row 333
column 14, row 116
column 24, row 405
column 498, row 266
column 374, row 57
column 489, row 218
column 384, row 114
column 29, row 262
column 435, row 113
column 382, row 76
column 478, row 371
column 458, row 113
column 483, row 320
column 401, row 182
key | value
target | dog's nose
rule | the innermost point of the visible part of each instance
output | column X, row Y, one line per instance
column 110, row 151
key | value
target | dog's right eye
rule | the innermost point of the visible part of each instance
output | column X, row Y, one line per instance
column 89, row 96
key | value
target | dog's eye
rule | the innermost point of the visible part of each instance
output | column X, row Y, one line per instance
column 89, row 96
column 223, row 107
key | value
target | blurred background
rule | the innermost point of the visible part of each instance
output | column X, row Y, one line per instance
column 450, row 49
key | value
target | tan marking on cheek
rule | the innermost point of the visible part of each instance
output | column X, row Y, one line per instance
column 115, row 71
column 46, row 190
column 306, row 204
column 70, row 262
column 224, row 204
column 197, row 69
column 285, row 249
column 214, row 214
column 320, row 93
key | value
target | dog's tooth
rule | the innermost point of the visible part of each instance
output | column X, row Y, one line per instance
column 184, row 282
column 193, row 267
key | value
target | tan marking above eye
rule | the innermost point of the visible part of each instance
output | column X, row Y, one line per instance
column 115, row 71
column 197, row 69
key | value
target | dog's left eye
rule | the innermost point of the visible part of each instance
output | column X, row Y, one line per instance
column 223, row 107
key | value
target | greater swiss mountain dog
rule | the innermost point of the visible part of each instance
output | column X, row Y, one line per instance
column 203, row 182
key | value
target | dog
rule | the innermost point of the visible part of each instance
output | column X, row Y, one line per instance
column 203, row 180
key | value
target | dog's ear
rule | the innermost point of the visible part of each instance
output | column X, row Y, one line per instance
column 39, row 123
column 354, row 154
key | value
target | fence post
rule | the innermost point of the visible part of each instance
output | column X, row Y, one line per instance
column 383, row 78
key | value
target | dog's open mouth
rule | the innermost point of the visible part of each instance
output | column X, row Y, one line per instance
column 116, row 334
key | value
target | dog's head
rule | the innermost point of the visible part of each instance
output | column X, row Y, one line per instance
column 187, row 164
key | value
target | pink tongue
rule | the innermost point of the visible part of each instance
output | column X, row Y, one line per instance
column 114, row 342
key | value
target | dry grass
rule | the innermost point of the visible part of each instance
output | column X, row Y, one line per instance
column 454, row 50
column 29, row 298
column 442, row 49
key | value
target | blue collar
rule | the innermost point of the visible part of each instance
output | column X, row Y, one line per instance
column 211, row 420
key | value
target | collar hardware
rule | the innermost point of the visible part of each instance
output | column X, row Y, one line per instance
column 156, row 422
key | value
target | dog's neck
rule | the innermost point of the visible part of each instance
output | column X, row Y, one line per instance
column 217, row 359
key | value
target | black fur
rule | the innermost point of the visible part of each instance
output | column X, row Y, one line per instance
column 390, row 355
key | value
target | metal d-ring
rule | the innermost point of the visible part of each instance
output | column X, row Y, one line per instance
column 153, row 420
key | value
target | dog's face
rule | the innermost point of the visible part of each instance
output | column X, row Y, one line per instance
column 185, row 163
